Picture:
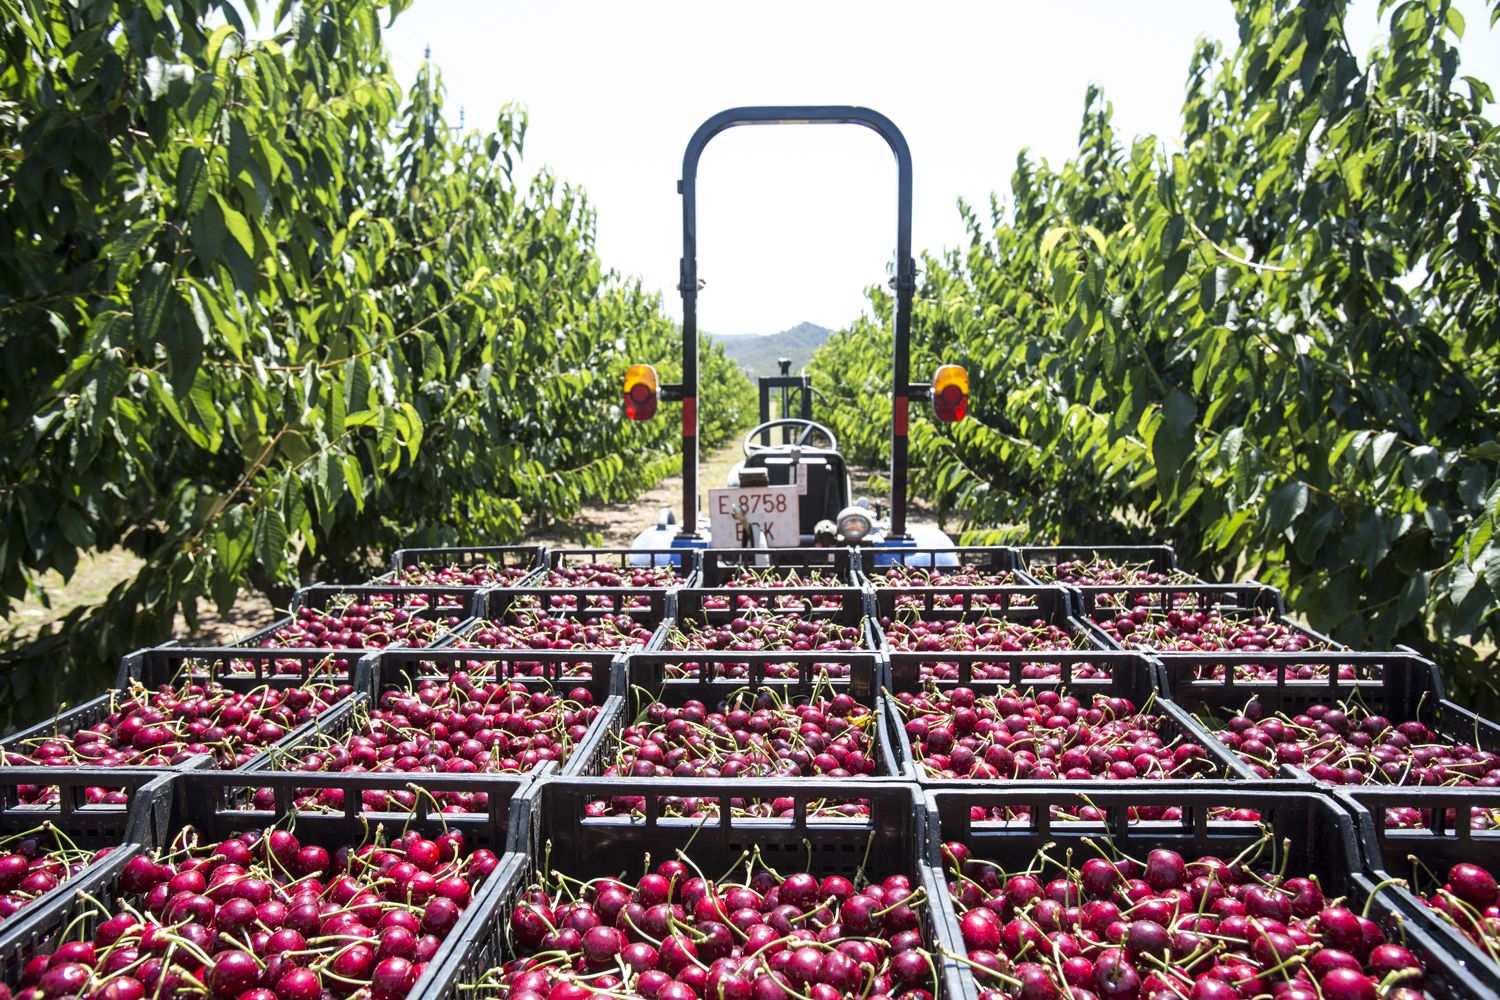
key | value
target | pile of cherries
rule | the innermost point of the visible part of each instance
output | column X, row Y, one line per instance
column 461, row 575
column 532, row 629
column 972, row 635
column 901, row 575
column 1183, row 630
column 771, row 579
column 262, row 916
column 36, row 861
column 749, row 735
column 361, row 626
column 168, row 725
column 454, row 727
column 596, row 574
column 758, row 734
column 1106, row 573
column 965, row 576
column 1347, row 745
column 1168, row 927
column 750, row 633
column 1042, row 736
column 674, row 935
column 1470, row 900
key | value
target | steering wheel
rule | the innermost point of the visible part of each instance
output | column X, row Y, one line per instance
column 809, row 428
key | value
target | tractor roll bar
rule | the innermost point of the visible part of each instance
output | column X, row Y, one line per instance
column 905, row 284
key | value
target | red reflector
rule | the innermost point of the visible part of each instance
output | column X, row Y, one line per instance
column 640, row 392
column 950, row 393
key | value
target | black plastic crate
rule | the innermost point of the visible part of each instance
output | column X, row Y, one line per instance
column 1456, row 824
column 657, row 677
column 214, row 804
column 646, row 609
column 589, row 668
column 87, row 826
column 445, row 606
column 1231, row 601
column 889, row 840
column 235, row 669
column 1016, row 605
column 1401, row 686
column 843, row 608
column 719, row 568
column 877, row 565
column 1082, row 674
column 1320, row 835
column 514, row 562
column 400, row 669
column 611, row 585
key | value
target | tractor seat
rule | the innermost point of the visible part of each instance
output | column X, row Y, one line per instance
column 827, row 480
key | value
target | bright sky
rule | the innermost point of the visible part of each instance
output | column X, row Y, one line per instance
column 795, row 221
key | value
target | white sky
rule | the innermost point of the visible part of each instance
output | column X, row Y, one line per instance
column 795, row 221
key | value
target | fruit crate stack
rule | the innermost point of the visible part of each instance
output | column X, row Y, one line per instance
column 524, row 773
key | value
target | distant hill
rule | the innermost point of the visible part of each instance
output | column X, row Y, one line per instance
column 757, row 352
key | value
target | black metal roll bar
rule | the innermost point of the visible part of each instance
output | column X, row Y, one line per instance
column 905, row 284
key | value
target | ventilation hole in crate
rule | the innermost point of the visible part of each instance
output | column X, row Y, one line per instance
column 1425, row 822
column 763, row 601
column 329, row 667
column 992, row 815
column 687, row 806
column 372, row 800
column 740, row 669
column 1293, row 671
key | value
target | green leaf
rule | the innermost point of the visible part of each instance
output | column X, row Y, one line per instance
column 235, row 223
column 75, row 528
column 184, row 338
column 207, row 230
column 1286, row 504
column 1174, row 436
column 192, row 181
column 1050, row 239
column 271, row 539
column 151, row 303
column 1173, row 270
column 1380, row 448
